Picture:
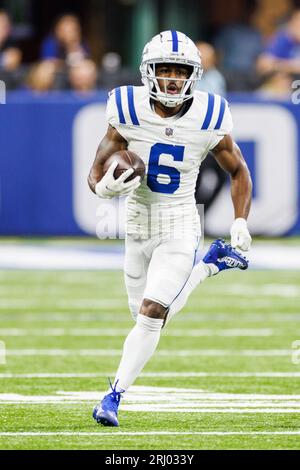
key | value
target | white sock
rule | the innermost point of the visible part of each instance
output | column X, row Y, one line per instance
column 139, row 346
column 200, row 272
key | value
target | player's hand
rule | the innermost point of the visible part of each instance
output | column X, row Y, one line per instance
column 110, row 187
column 240, row 236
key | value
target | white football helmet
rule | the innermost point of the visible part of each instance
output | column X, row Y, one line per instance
column 175, row 48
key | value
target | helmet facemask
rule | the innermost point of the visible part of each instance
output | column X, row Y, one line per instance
column 150, row 79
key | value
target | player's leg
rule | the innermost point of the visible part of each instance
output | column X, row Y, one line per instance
column 140, row 343
column 139, row 346
column 168, row 275
column 171, row 266
column 164, row 281
column 219, row 257
column 135, row 272
column 137, row 257
column 200, row 272
column 169, row 269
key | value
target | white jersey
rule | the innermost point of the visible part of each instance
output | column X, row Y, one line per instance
column 172, row 150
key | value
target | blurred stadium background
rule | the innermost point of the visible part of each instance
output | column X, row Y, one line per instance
column 63, row 309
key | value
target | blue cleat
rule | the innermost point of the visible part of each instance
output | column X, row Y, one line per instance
column 224, row 256
column 106, row 412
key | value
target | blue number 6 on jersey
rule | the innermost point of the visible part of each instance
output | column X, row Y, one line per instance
column 176, row 151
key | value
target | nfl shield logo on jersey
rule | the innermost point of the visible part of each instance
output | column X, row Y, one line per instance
column 169, row 131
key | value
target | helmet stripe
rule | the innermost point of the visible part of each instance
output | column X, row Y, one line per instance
column 119, row 106
column 174, row 41
column 221, row 114
column 209, row 112
column 131, row 106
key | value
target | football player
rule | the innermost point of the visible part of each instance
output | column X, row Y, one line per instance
column 172, row 128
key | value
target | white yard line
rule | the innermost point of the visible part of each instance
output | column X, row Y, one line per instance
column 45, row 257
column 160, row 409
column 159, row 353
column 238, row 332
column 22, row 256
column 169, row 396
column 271, row 290
column 170, row 400
column 25, row 304
column 240, row 290
column 54, row 375
column 81, row 316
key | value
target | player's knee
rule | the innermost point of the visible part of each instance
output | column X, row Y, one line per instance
column 153, row 309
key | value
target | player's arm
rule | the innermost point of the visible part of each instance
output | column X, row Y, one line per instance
column 106, row 186
column 230, row 158
column 112, row 142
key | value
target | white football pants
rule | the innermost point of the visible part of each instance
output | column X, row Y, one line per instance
column 157, row 269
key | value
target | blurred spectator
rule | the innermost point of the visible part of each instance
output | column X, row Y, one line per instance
column 276, row 85
column 83, row 76
column 114, row 75
column 111, row 63
column 283, row 52
column 239, row 45
column 65, row 45
column 41, row 76
column 269, row 15
column 212, row 80
column 10, row 55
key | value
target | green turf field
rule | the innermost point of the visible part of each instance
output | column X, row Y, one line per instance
column 223, row 376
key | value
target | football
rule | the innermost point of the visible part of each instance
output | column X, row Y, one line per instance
column 126, row 159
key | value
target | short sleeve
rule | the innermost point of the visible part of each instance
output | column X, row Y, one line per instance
column 111, row 109
column 116, row 114
column 223, row 127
